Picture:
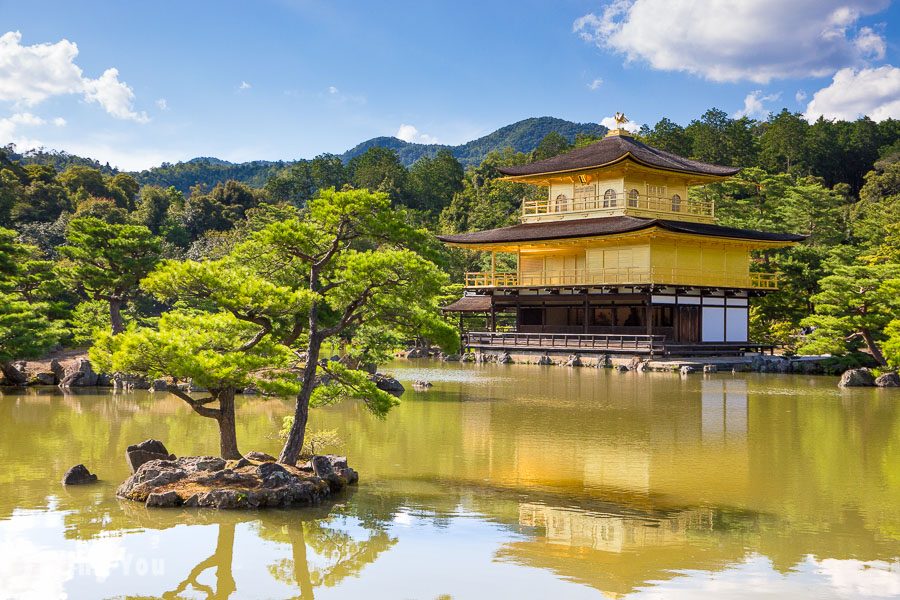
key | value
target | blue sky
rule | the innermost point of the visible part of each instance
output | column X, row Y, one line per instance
column 136, row 84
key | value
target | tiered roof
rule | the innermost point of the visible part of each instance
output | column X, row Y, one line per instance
column 602, row 226
column 613, row 149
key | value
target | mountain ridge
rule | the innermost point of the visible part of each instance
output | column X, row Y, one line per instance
column 521, row 136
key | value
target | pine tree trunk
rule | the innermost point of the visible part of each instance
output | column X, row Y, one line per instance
column 115, row 316
column 873, row 348
column 294, row 444
column 227, row 434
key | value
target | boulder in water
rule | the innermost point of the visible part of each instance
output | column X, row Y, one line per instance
column 888, row 380
column 857, row 378
column 78, row 475
column 388, row 384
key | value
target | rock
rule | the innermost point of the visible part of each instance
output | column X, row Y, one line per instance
column 79, row 374
column 127, row 383
column 710, row 369
column 635, row 363
column 334, row 470
column 857, row 378
column 763, row 363
column 417, row 353
column 44, row 378
column 158, row 385
column 686, row 370
column 888, row 380
column 421, row 384
column 468, row 357
column 504, row 358
column 621, row 368
column 259, row 456
column 642, row 366
column 164, row 499
column 15, row 374
column 138, row 454
column 204, row 481
column 388, row 384
column 57, row 369
column 78, row 475
column 273, row 475
column 574, row 360
column 545, row 360
column 450, row 357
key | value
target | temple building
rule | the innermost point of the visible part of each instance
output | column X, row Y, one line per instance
column 617, row 258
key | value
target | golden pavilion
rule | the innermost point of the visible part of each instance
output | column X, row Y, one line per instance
column 617, row 258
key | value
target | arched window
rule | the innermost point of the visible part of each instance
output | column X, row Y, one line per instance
column 633, row 197
column 609, row 198
column 561, row 204
column 676, row 203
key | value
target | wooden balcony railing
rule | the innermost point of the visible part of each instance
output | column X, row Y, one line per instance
column 639, row 204
column 624, row 276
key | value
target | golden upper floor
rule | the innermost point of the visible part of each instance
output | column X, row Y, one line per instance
column 617, row 176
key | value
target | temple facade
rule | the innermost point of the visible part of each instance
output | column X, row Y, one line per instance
column 617, row 258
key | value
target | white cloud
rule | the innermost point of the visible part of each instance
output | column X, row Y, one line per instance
column 851, row 94
column 753, row 105
column 408, row 133
column 113, row 95
column 31, row 74
column 610, row 123
column 59, row 122
column 332, row 90
column 800, row 96
column 162, row 104
column 734, row 40
column 244, row 86
column 10, row 129
column 595, row 84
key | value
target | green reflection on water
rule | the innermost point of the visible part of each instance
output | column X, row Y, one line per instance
column 613, row 481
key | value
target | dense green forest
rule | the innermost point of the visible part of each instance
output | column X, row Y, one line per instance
column 81, row 235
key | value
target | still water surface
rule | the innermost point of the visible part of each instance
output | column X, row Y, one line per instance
column 498, row 482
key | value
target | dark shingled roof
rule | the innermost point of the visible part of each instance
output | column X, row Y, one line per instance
column 612, row 148
column 469, row 304
column 577, row 228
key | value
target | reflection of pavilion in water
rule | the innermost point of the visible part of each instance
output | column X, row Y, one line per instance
column 612, row 532
column 698, row 458
column 679, row 446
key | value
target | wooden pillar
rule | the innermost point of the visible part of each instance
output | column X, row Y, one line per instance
column 587, row 309
column 493, row 268
column 518, row 314
column 493, row 317
column 649, row 316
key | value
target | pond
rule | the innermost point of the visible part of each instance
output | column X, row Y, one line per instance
column 506, row 481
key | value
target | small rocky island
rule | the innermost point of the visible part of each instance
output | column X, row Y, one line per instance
column 255, row 481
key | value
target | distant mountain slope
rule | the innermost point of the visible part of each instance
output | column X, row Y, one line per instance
column 522, row 136
column 207, row 171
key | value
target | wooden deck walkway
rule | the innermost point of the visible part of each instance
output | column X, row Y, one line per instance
column 653, row 345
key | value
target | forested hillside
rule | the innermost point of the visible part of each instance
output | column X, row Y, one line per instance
column 838, row 182
column 207, row 172
column 523, row 136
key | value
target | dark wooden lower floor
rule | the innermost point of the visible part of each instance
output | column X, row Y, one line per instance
column 689, row 321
